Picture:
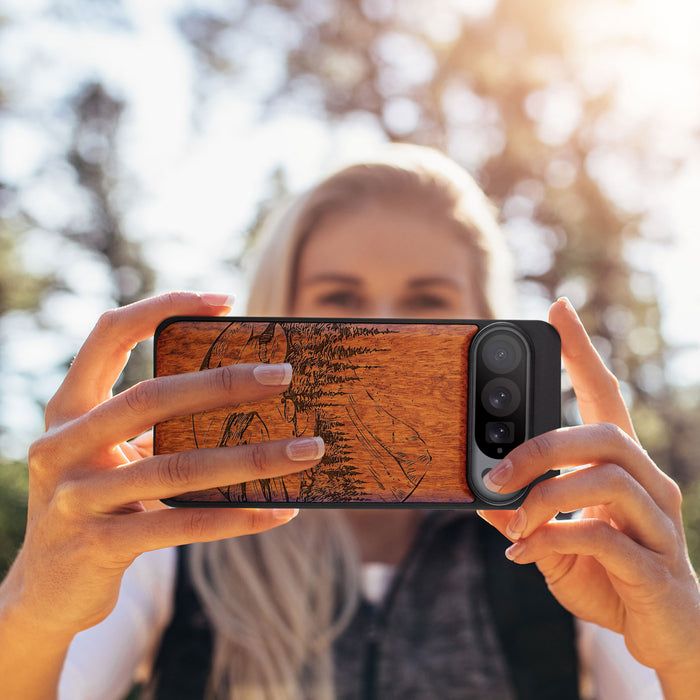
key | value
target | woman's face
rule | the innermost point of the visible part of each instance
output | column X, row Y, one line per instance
column 387, row 262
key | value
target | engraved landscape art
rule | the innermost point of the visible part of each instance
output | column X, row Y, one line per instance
column 355, row 386
column 328, row 398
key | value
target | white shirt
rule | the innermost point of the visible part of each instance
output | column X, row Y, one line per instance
column 104, row 661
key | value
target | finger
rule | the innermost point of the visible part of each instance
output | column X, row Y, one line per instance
column 596, row 388
column 166, row 476
column 614, row 550
column 155, row 400
column 102, row 357
column 497, row 518
column 138, row 448
column 142, row 532
column 583, row 444
column 606, row 486
column 143, row 444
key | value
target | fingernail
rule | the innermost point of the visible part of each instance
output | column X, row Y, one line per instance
column 515, row 550
column 285, row 514
column 517, row 525
column 273, row 375
column 569, row 306
column 218, row 299
column 499, row 476
column 304, row 449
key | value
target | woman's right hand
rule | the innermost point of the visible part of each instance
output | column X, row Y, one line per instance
column 87, row 516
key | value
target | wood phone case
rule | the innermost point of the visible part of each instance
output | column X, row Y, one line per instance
column 389, row 398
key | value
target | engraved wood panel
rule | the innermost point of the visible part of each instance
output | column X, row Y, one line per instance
column 389, row 400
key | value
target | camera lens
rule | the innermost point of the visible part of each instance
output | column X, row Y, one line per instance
column 500, row 396
column 499, row 432
column 502, row 353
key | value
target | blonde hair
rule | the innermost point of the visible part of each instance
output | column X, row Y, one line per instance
column 404, row 175
column 277, row 600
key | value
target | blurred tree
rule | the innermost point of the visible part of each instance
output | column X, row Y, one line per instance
column 97, row 233
column 94, row 156
column 93, row 233
column 501, row 87
column 691, row 519
column 18, row 291
column 13, row 510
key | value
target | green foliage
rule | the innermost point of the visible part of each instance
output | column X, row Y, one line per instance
column 691, row 521
column 14, row 483
column 18, row 289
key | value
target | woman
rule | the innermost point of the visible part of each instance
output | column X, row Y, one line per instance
column 276, row 602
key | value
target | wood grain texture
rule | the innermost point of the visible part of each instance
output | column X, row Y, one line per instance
column 389, row 400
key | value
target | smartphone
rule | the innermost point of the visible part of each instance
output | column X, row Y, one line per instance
column 413, row 413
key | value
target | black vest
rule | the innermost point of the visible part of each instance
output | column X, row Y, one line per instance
column 534, row 635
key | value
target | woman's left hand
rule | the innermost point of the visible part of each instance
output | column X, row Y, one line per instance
column 623, row 564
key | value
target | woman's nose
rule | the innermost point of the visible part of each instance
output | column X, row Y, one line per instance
column 382, row 308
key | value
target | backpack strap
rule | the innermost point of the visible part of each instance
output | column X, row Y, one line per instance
column 536, row 633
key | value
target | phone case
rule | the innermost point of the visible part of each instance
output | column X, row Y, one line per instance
column 390, row 398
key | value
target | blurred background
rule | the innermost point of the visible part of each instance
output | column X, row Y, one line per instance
column 140, row 142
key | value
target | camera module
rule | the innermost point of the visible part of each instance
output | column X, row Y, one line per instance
column 505, row 358
column 500, row 388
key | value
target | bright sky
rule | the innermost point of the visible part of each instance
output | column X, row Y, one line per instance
column 672, row 67
column 194, row 189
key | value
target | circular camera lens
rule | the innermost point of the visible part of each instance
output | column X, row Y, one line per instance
column 500, row 396
column 499, row 432
column 502, row 353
